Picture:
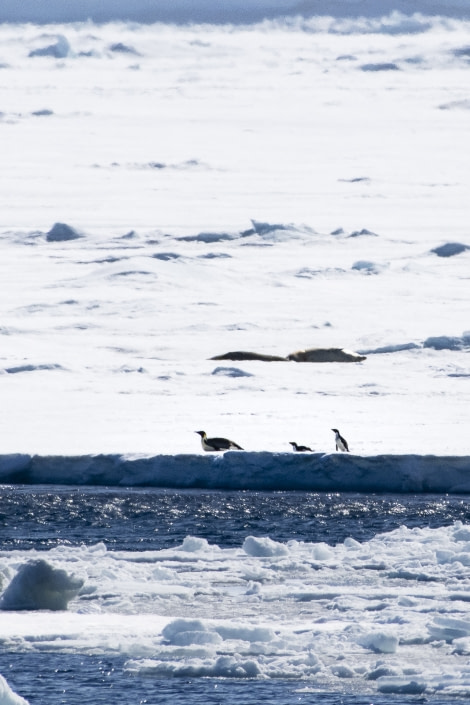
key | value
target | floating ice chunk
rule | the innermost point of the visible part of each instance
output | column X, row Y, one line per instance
column 221, row 667
column 161, row 573
column 461, row 532
column 192, row 544
column 462, row 646
column 321, row 552
column 177, row 626
column 7, row 696
column 39, row 586
column 342, row 671
column 382, row 642
column 244, row 633
column 401, row 685
column 381, row 670
column 196, row 637
column 352, row 544
column 449, row 628
column 444, row 556
column 264, row 547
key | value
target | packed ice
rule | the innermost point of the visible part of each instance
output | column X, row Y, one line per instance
column 389, row 615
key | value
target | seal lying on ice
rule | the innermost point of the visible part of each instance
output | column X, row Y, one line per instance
column 308, row 355
column 326, row 355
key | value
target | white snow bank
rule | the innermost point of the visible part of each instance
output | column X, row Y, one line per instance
column 247, row 470
column 39, row 586
column 7, row 696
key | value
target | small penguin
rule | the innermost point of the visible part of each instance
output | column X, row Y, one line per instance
column 214, row 444
column 341, row 443
column 299, row 449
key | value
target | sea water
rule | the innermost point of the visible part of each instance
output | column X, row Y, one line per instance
column 42, row 518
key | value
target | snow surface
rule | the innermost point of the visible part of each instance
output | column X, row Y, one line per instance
column 172, row 192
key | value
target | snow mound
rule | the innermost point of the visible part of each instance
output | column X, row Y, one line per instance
column 368, row 267
column 59, row 50
column 450, row 249
column 392, row 348
column 231, row 372
column 61, row 232
column 209, row 237
column 448, row 342
column 385, row 66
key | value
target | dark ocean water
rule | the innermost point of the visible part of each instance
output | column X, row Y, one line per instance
column 42, row 517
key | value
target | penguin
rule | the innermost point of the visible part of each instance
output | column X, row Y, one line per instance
column 341, row 443
column 214, row 444
column 299, row 449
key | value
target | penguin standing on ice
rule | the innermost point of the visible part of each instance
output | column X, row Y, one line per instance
column 300, row 449
column 341, row 443
column 214, row 444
